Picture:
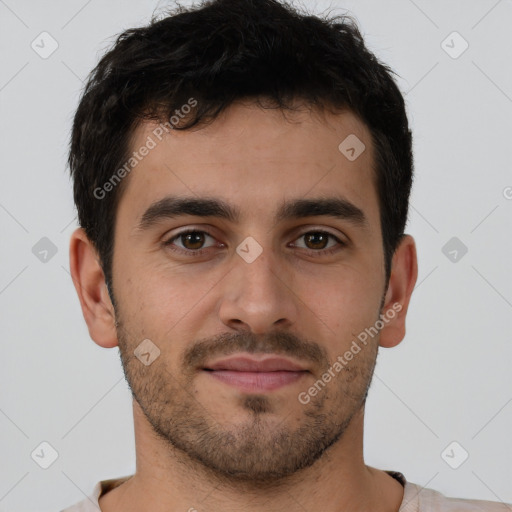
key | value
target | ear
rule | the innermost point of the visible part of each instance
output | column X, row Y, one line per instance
column 404, row 273
column 91, row 288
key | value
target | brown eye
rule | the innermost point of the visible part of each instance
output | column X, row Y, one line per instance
column 189, row 241
column 317, row 241
column 192, row 241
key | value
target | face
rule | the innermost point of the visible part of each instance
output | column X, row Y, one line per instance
column 276, row 254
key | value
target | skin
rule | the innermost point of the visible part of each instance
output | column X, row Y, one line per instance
column 200, row 443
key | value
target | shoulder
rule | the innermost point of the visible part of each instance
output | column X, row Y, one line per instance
column 419, row 499
column 90, row 504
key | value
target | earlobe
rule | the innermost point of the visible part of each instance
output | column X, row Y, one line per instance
column 404, row 273
column 89, row 281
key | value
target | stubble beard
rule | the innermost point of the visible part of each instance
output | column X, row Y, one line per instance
column 262, row 449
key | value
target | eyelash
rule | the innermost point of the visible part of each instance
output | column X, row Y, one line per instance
column 200, row 252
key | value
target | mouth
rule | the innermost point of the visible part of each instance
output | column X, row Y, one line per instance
column 250, row 374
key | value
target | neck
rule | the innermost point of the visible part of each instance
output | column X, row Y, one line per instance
column 166, row 479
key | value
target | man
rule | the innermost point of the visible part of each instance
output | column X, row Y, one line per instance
column 242, row 175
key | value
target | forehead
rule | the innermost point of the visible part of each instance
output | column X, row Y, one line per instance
column 253, row 157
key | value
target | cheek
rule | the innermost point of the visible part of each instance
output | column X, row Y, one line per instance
column 342, row 303
column 158, row 299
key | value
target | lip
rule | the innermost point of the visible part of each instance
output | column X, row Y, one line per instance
column 252, row 364
column 254, row 375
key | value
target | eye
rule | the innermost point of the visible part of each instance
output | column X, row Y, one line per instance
column 192, row 241
column 316, row 241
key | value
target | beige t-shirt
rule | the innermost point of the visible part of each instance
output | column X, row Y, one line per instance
column 416, row 499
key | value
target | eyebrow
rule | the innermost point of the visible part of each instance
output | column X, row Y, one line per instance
column 171, row 207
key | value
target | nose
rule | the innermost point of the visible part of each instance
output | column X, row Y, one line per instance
column 258, row 296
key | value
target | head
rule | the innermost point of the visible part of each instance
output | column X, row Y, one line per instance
column 232, row 119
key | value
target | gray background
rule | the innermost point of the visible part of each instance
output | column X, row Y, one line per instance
column 450, row 379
